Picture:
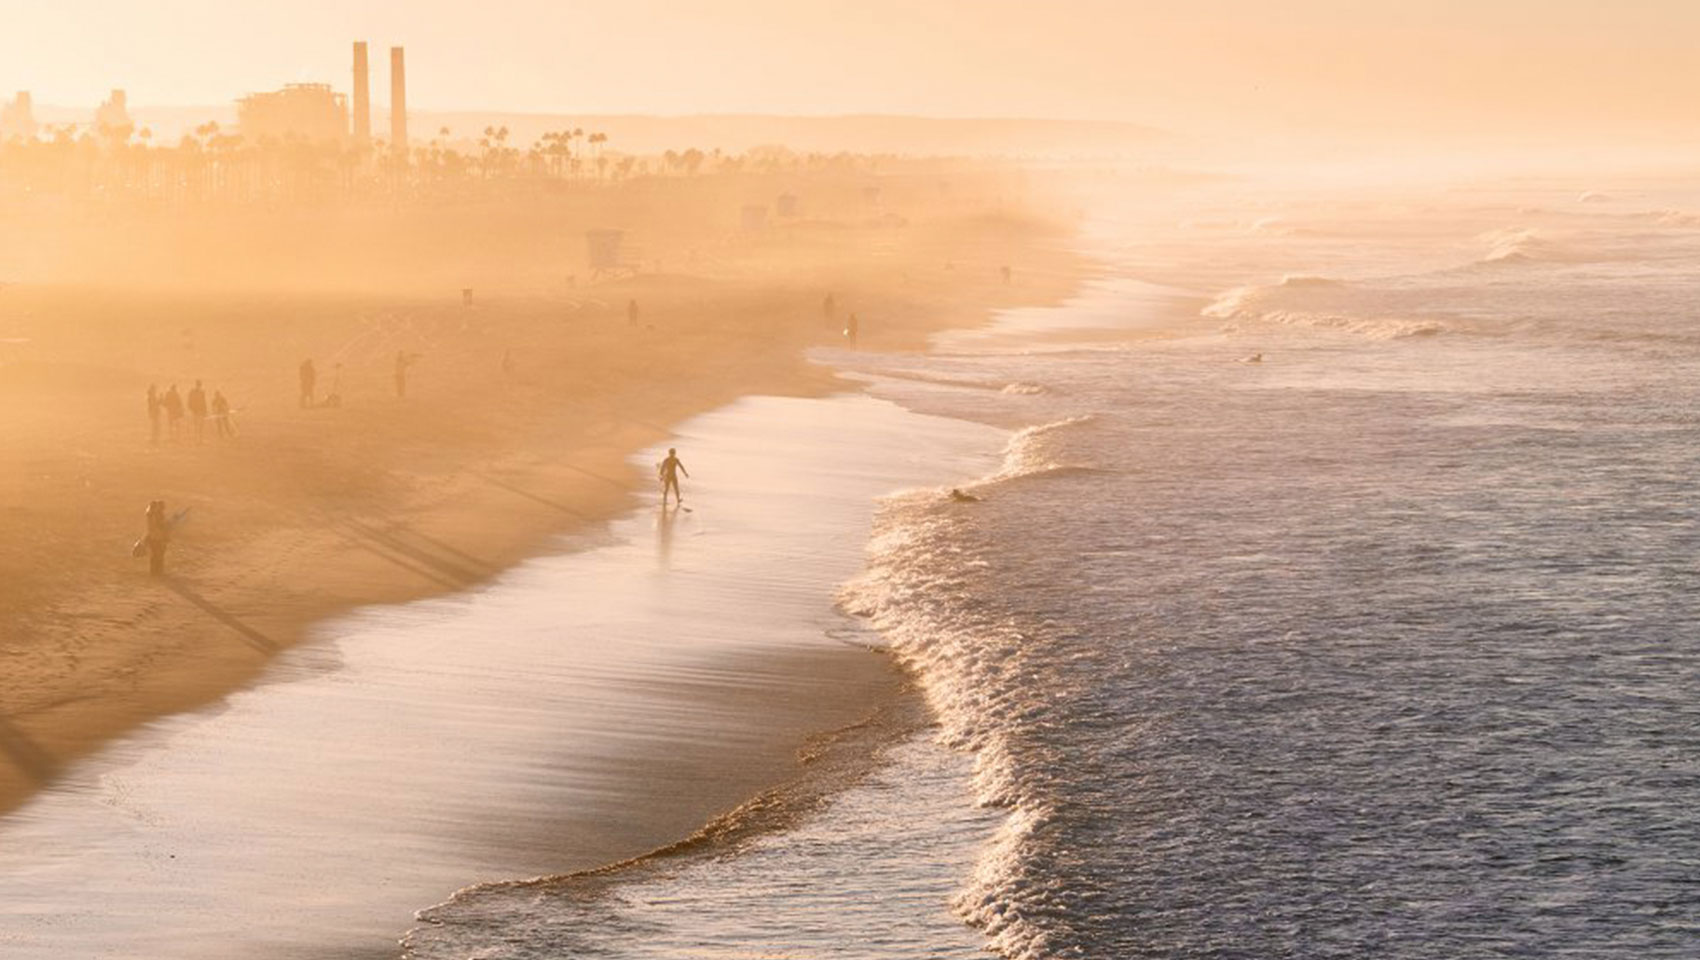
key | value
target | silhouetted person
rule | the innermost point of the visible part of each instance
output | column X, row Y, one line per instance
column 403, row 360
column 155, row 411
column 173, row 403
column 198, row 410
column 309, row 381
column 1006, row 274
column 221, row 416
column 158, row 537
column 851, row 329
column 829, row 308
column 631, row 313
column 669, row 470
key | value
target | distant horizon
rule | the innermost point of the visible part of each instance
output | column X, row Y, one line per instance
column 1556, row 70
column 381, row 108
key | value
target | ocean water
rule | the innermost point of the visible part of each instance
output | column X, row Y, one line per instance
column 1335, row 597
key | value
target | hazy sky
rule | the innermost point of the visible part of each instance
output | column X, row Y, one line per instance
column 1441, row 65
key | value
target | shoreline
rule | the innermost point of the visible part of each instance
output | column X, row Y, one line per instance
column 586, row 708
column 450, row 523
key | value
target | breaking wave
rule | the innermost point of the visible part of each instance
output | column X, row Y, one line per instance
column 1318, row 302
column 1527, row 246
column 930, row 576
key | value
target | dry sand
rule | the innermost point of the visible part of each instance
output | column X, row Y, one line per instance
column 309, row 513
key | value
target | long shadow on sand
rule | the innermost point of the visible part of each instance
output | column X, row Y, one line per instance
column 26, row 754
column 527, row 494
column 255, row 638
column 456, row 570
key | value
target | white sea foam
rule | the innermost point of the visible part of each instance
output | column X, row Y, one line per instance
column 923, row 591
column 1316, row 302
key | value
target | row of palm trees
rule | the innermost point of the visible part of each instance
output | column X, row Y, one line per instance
column 211, row 162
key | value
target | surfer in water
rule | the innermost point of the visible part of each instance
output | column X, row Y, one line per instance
column 668, row 470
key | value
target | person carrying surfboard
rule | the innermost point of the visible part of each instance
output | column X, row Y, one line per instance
column 160, row 529
column 668, row 470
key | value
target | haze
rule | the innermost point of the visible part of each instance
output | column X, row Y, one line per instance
column 1495, row 69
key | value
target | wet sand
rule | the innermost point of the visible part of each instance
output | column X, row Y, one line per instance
column 582, row 708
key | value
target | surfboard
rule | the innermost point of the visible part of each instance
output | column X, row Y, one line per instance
column 140, row 547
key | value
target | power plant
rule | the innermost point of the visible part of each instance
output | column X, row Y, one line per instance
column 316, row 113
column 300, row 111
column 398, row 102
column 362, row 97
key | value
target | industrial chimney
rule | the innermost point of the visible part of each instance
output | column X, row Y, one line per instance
column 398, row 102
column 362, row 96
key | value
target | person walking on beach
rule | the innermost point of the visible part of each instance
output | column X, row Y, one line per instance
column 309, row 378
column 173, row 404
column 631, row 312
column 157, row 538
column 403, row 360
column 669, row 470
column 155, row 411
column 221, row 416
column 198, row 410
column 829, row 308
column 850, row 330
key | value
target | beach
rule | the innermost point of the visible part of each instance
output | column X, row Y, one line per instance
column 681, row 671
column 192, row 731
column 312, row 512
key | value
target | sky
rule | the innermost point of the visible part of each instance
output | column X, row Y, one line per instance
column 1427, row 67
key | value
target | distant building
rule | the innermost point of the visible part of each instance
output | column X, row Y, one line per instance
column 300, row 111
column 112, row 118
column 603, row 247
column 17, row 118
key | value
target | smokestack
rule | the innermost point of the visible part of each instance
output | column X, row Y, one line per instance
column 362, row 96
column 398, row 102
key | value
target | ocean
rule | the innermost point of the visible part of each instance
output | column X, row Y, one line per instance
column 1320, row 582
column 1334, row 595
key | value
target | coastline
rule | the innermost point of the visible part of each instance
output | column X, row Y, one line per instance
column 583, row 709
column 443, row 516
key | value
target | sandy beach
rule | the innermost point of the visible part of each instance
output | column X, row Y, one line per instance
column 582, row 709
column 191, row 731
column 312, row 512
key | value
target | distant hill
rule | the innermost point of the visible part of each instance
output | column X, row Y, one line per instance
column 734, row 133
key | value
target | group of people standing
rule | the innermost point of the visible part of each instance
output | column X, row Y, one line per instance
column 169, row 409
